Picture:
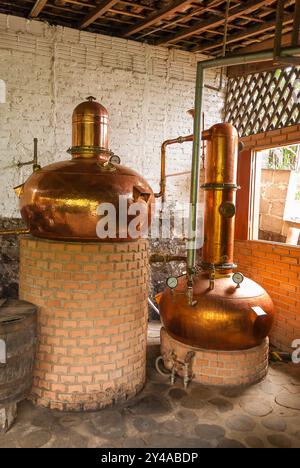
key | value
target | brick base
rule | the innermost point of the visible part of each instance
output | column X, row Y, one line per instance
column 276, row 267
column 223, row 368
column 92, row 320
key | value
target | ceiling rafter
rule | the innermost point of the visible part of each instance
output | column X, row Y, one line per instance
column 158, row 16
column 37, row 8
column 248, row 32
column 179, row 17
column 235, row 12
column 97, row 12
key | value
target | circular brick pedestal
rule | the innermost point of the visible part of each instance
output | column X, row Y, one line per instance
column 92, row 320
column 224, row 368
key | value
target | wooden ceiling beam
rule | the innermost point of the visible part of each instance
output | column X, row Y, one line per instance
column 157, row 16
column 235, row 12
column 248, row 32
column 37, row 8
column 178, row 21
column 238, row 70
column 97, row 12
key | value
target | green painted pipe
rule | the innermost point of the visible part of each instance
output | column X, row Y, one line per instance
column 261, row 56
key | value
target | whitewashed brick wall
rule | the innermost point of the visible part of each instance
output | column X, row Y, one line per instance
column 147, row 91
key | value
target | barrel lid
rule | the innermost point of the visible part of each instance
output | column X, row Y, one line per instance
column 14, row 310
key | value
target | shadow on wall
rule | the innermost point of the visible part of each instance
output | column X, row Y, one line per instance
column 2, row 92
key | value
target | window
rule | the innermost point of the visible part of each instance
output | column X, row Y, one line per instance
column 276, row 195
column 292, row 205
column 2, row 92
column 2, row 352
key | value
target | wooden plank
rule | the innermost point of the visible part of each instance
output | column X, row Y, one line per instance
column 214, row 22
column 296, row 26
column 156, row 17
column 249, row 32
column 37, row 8
column 240, row 70
column 181, row 20
column 279, row 26
column 97, row 12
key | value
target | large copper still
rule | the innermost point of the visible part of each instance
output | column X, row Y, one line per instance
column 61, row 201
column 226, row 314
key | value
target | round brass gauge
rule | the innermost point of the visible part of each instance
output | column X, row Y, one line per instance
column 172, row 282
column 227, row 209
column 238, row 278
column 115, row 159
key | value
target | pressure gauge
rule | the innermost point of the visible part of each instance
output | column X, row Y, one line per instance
column 115, row 159
column 238, row 278
column 172, row 282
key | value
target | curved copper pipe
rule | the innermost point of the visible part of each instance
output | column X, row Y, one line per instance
column 182, row 139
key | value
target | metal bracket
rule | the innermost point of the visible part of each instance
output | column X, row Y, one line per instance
column 34, row 162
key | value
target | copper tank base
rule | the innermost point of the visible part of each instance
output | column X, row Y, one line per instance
column 225, row 318
column 217, row 368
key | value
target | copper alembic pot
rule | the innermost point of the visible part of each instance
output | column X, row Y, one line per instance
column 61, row 201
column 229, row 312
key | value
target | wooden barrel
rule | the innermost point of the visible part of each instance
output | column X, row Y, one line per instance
column 17, row 349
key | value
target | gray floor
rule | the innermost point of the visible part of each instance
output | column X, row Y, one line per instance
column 265, row 415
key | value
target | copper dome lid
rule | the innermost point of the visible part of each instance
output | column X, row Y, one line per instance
column 89, row 128
column 61, row 201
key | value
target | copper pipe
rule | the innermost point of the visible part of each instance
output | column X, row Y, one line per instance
column 182, row 139
column 13, row 232
column 161, row 194
column 161, row 258
column 220, row 194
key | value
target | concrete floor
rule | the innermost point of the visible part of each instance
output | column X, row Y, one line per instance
column 264, row 415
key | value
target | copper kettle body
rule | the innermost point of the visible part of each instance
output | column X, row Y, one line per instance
column 61, row 201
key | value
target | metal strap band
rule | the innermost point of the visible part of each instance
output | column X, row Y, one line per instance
column 220, row 187
column 220, row 266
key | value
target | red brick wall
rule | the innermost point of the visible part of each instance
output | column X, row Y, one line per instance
column 277, row 268
column 92, row 320
column 283, row 137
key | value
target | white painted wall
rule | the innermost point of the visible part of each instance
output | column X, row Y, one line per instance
column 147, row 91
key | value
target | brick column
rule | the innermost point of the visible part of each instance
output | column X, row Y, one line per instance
column 92, row 320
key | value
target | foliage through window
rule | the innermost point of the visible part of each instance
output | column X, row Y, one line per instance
column 276, row 195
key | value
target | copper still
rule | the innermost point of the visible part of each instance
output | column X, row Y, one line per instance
column 61, row 201
column 229, row 312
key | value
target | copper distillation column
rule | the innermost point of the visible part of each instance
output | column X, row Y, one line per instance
column 228, row 312
column 220, row 195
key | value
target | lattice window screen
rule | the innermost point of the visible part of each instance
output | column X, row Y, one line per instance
column 264, row 101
